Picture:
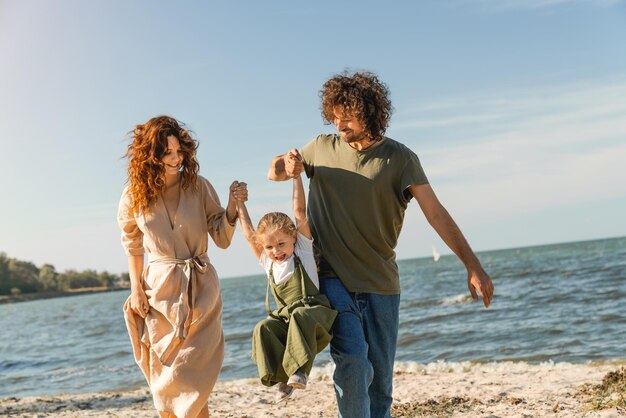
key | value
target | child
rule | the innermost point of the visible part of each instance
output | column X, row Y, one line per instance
column 284, row 344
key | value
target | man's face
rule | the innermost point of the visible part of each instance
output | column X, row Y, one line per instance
column 349, row 126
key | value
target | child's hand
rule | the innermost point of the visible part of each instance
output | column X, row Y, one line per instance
column 239, row 191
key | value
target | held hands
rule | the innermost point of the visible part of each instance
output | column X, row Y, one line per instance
column 239, row 191
column 139, row 302
column 293, row 163
column 481, row 283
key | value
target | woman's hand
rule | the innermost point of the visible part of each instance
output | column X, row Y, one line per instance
column 239, row 191
column 139, row 302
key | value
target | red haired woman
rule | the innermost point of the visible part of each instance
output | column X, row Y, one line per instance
column 174, row 312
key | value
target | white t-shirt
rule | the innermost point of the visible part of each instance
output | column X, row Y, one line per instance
column 284, row 270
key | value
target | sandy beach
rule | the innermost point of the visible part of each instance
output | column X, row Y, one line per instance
column 491, row 390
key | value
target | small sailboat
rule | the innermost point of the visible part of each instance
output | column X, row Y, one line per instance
column 436, row 254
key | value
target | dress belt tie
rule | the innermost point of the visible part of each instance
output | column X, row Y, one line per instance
column 184, row 313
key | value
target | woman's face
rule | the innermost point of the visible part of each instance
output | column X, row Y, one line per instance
column 172, row 157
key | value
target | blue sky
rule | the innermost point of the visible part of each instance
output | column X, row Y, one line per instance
column 515, row 108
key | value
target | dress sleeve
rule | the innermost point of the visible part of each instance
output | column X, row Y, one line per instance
column 132, row 237
column 219, row 228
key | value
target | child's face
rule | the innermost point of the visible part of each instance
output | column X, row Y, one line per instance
column 277, row 245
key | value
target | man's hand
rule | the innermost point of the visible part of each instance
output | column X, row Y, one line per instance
column 481, row 283
column 293, row 163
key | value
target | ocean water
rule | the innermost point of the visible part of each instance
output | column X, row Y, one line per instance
column 554, row 303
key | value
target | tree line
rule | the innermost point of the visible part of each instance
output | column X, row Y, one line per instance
column 17, row 276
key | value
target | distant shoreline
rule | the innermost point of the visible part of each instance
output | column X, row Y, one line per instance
column 25, row 297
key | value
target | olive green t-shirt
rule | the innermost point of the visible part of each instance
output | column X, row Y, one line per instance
column 356, row 208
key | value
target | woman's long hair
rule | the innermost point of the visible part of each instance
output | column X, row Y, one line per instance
column 146, row 171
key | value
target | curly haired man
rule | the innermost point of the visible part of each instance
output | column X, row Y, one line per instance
column 361, row 183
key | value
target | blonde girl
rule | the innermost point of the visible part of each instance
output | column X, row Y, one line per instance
column 285, row 343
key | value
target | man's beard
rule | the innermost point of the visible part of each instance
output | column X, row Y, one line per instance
column 354, row 138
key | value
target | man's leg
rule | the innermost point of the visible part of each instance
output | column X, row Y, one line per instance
column 380, row 315
column 353, row 371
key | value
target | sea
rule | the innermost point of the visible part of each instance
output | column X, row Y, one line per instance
column 552, row 304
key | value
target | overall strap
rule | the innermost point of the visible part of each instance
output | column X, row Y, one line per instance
column 270, row 276
column 270, row 282
column 298, row 265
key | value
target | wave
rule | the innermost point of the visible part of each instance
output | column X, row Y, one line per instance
column 12, row 365
column 324, row 372
column 461, row 299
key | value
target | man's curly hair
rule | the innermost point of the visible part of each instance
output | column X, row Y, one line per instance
column 361, row 95
column 146, row 171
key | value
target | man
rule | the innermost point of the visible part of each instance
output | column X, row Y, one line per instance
column 360, row 185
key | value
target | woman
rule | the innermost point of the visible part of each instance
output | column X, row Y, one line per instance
column 173, row 314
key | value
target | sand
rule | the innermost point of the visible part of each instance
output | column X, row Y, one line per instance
column 492, row 390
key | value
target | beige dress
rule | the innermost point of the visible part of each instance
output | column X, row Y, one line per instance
column 180, row 344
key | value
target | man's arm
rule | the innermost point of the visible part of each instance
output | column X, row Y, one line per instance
column 286, row 166
column 439, row 218
column 277, row 169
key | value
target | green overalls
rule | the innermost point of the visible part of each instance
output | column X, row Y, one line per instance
column 291, row 336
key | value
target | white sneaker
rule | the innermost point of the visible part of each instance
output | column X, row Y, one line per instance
column 298, row 380
column 283, row 392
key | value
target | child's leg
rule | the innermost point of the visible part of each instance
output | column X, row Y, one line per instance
column 307, row 335
column 268, row 348
column 284, row 391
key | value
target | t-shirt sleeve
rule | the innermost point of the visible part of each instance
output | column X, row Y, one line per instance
column 412, row 175
column 304, row 245
column 308, row 157
column 265, row 262
column 132, row 237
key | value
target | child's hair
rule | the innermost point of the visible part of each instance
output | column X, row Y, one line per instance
column 275, row 221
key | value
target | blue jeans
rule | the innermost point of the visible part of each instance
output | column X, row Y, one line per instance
column 363, row 349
